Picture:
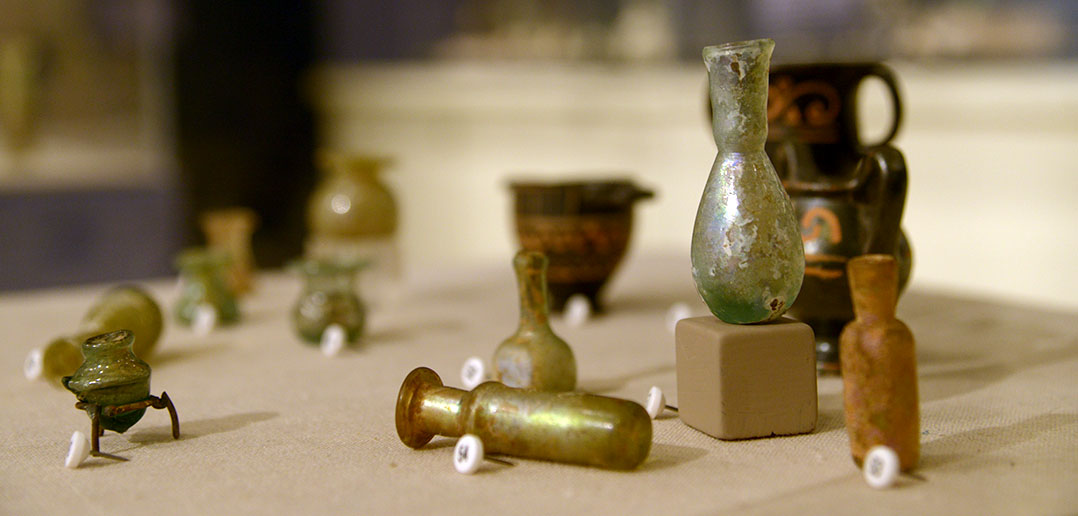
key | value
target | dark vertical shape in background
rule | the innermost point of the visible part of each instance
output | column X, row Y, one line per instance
column 245, row 134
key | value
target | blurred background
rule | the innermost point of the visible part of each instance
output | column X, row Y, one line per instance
column 122, row 120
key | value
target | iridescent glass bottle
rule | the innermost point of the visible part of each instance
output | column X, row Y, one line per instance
column 747, row 257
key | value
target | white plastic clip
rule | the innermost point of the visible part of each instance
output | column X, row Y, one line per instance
column 473, row 373
column 332, row 340
column 577, row 310
column 468, row 454
column 79, row 450
column 881, row 467
column 205, row 319
column 656, row 402
column 34, row 365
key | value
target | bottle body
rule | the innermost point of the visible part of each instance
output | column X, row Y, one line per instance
column 111, row 375
column 605, row 432
column 568, row 427
column 747, row 257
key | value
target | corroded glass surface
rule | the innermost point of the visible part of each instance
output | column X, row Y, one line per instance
column 747, row 257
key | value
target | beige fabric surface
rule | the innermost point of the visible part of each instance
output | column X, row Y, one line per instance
column 270, row 426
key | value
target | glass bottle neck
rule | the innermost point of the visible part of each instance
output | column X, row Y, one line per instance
column 531, row 284
column 329, row 282
column 737, row 77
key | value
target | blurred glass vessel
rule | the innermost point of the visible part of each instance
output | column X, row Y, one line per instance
column 22, row 67
column 202, row 278
column 229, row 230
column 328, row 297
column 126, row 307
column 352, row 215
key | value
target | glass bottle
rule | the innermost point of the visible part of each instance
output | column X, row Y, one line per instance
column 534, row 357
column 879, row 365
column 126, row 307
column 747, row 257
column 229, row 230
column 111, row 375
column 352, row 215
column 202, row 278
column 328, row 297
column 572, row 427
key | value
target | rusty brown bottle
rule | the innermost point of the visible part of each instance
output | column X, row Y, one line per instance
column 534, row 357
column 879, row 365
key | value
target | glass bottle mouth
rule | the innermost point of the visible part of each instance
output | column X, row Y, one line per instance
column 334, row 161
column 724, row 48
column 202, row 258
column 112, row 340
column 328, row 266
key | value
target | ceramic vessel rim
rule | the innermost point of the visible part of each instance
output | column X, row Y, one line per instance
column 540, row 184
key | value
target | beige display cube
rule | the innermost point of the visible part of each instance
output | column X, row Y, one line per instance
column 739, row 381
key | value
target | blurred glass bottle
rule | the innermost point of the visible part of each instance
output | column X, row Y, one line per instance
column 229, row 230
column 202, row 284
column 352, row 215
column 329, row 297
column 126, row 307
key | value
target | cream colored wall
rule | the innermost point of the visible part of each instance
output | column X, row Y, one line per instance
column 991, row 153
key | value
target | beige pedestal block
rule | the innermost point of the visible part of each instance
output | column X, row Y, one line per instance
column 743, row 381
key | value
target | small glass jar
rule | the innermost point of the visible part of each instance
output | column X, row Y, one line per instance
column 111, row 375
column 329, row 297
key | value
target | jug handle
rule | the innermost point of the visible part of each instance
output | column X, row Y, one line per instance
column 883, row 190
column 888, row 77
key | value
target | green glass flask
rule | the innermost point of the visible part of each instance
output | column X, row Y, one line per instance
column 202, row 275
column 534, row 357
column 328, row 297
column 747, row 257
column 126, row 307
column 111, row 375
